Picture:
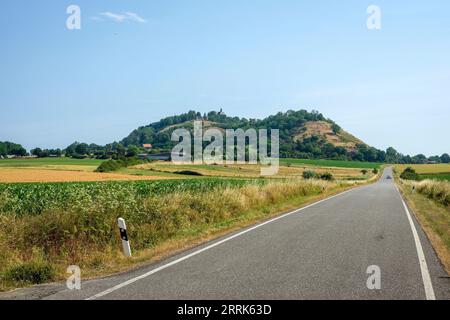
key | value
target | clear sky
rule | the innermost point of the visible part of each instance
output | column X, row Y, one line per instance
column 134, row 62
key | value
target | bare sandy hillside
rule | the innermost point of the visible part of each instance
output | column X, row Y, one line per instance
column 324, row 130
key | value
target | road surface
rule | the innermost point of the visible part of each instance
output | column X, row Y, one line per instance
column 320, row 252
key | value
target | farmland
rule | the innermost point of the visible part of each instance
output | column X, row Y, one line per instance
column 62, row 170
column 244, row 171
column 332, row 163
column 69, row 217
column 69, row 170
column 48, row 226
column 439, row 171
column 49, row 162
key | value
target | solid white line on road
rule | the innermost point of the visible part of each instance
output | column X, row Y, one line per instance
column 145, row 275
column 428, row 285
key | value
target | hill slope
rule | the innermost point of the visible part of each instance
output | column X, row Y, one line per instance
column 324, row 130
column 303, row 134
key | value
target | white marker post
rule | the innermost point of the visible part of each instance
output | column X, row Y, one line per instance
column 124, row 237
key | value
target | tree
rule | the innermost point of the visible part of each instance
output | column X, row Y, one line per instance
column 3, row 151
column 82, row 149
column 435, row 159
column 420, row 158
column 132, row 151
column 36, row 152
column 392, row 156
column 121, row 150
column 445, row 158
column 336, row 128
column 364, row 171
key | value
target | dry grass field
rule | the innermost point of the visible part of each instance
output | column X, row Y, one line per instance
column 12, row 175
column 247, row 170
column 425, row 168
column 64, row 170
column 67, row 170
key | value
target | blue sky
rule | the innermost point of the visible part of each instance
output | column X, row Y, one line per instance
column 253, row 58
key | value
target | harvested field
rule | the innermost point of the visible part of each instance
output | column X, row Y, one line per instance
column 250, row 171
column 425, row 168
column 12, row 175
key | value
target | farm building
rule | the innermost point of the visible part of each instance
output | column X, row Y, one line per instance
column 147, row 146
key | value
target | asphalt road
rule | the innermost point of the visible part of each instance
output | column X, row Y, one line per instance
column 319, row 252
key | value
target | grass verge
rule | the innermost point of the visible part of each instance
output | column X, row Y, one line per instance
column 432, row 214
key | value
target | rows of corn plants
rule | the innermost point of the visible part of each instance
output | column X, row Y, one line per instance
column 47, row 227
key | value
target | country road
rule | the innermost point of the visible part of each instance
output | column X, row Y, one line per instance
column 320, row 252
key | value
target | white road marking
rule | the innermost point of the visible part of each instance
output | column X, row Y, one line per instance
column 145, row 275
column 428, row 285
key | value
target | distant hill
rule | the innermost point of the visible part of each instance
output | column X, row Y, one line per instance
column 303, row 134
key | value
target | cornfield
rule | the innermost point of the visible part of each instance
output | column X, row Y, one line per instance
column 50, row 226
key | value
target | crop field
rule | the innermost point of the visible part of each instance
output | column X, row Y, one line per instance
column 9, row 175
column 63, row 170
column 35, row 198
column 439, row 171
column 49, row 162
column 57, row 212
column 48, row 226
column 332, row 163
column 436, row 176
column 246, row 171
column 426, row 168
column 72, row 170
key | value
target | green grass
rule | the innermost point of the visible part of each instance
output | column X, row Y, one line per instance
column 436, row 176
column 42, row 162
column 332, row 163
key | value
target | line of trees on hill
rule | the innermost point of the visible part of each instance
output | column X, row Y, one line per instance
column 290, row 124
column 310, row 149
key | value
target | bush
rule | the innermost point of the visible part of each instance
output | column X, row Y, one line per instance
column 375, row 171
column 110, row 165
column 327, row 176
column 79, row 156
column 309, row 174
column 409, row 174
column 364, row 171
column 189, row 173
column 30, row 272
column 114, row 165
